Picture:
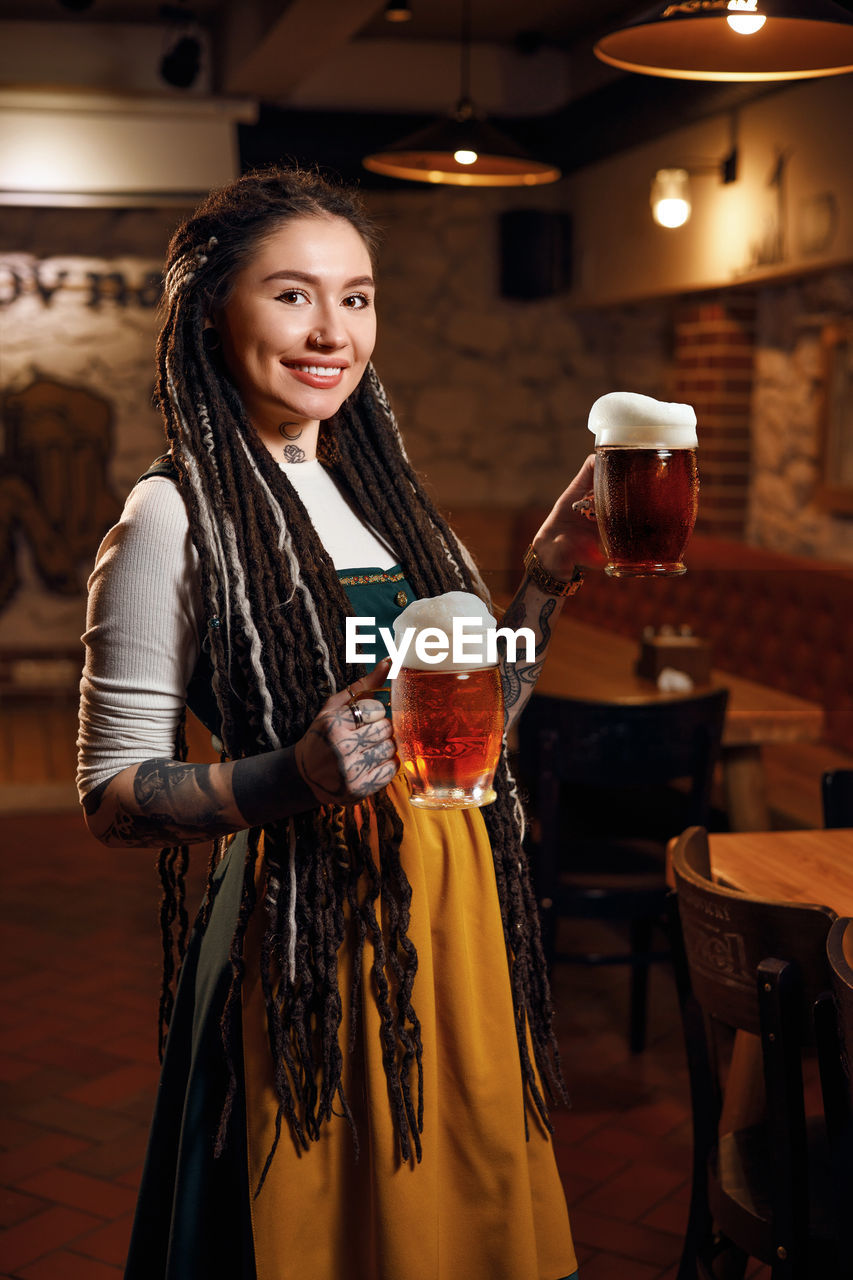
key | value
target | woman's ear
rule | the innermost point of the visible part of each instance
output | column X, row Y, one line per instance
column 211, row 339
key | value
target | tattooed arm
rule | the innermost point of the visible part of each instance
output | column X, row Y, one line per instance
column 530, row 608
column 567, row 538
column 159, row 802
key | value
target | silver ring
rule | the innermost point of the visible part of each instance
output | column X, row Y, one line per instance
column 357, row 714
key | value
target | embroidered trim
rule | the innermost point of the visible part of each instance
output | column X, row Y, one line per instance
column 362, row 579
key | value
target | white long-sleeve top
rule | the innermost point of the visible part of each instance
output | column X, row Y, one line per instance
column 145, row 619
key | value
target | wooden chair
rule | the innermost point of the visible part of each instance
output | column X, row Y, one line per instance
column 837, row 796
column 761, row 1188
column 836, row 1047
column 597, row 773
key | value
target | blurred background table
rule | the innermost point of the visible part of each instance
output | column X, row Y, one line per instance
column 589, row 663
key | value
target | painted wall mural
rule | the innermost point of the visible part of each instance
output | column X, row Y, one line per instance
column 77, row 426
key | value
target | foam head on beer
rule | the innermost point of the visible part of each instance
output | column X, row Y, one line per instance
column 628, row 420
column 449, row 632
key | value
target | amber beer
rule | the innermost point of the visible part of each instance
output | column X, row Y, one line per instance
column 646, row 500
column 448, row 726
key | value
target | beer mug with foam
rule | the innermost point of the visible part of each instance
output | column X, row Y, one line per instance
column 447, row 709
column 646, row 483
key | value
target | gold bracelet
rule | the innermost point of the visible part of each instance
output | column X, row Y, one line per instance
column 545, row 581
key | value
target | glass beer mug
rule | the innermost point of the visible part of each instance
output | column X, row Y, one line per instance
column 646, row 483
column 448, row 726
column 448, row 715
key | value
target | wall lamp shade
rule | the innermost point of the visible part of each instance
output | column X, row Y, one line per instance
column 724, row 40
column 461, row 151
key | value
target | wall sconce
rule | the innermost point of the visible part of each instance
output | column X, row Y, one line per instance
column 670, row 198
column 670, row 194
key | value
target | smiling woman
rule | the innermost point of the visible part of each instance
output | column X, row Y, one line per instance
column 298, row 340
column 359, row 1057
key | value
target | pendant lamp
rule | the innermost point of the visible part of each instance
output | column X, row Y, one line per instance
column 462, row 149
column 736, row 40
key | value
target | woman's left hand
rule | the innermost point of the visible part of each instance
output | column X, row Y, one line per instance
column 569, row 535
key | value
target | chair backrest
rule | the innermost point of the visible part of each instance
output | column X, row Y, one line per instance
column 728, row 934
column 612, row 745
column 837, row 1081
column 837, row 795
column 839, row 949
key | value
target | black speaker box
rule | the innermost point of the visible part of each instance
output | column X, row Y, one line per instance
column 536, row 253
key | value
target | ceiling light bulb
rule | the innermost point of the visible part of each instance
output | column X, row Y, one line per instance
column 744, row 18
column 465, row 157
column 746, row 24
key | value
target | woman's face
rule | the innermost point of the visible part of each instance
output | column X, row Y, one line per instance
column 300, row 325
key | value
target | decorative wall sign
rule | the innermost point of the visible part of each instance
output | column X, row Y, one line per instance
column 54, row 489
column 78, row 426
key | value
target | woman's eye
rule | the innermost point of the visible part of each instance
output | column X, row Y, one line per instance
column 291, row 295
column 356, row 301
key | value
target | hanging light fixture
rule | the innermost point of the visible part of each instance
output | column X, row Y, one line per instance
column 398, row 11
column 735, row 40
column 462, row 149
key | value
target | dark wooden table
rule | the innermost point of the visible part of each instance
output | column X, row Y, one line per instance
column 590, row 663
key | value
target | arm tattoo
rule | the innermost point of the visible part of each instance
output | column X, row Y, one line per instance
column 519, row 678
column 176, row 803
column 190, row 803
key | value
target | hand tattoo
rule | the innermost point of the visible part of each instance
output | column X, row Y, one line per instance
column 365, row 759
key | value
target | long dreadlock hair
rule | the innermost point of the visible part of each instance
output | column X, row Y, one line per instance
column 276, row 616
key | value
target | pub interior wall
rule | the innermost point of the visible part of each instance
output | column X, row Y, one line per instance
column 492, row 393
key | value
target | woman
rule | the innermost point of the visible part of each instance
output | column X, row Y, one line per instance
column 360, row 1047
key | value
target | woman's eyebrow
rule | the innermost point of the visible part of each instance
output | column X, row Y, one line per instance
column 309, row 279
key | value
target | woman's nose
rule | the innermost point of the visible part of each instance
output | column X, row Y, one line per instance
column 328, row 332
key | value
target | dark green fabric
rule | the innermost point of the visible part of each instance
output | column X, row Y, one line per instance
column 192, row 1218
column 162, row 466
column 377, row 600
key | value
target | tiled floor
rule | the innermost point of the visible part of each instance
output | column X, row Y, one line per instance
column 80, row 976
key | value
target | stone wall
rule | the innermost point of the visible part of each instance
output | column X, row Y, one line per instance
column 493, row 393
column 785, row 512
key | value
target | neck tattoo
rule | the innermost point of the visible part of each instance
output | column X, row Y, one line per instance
column 290, row 430
column 292, row 453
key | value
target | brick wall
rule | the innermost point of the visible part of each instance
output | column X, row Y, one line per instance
column 713, row 356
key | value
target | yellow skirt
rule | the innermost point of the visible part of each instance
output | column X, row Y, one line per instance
column 484, row 1203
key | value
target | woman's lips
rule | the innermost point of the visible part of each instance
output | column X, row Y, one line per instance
column 317, row 375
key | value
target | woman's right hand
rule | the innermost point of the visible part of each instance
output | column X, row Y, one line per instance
column 343, row 761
